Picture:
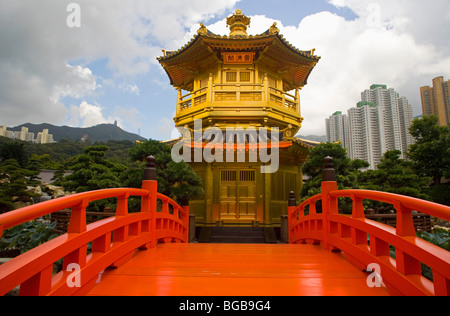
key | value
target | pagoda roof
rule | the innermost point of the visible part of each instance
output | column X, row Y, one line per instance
column 307, row 144
column 229, row 43
column 295, row 65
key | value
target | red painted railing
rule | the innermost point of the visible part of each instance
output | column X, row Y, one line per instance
column 114, row 240
column 366, row 243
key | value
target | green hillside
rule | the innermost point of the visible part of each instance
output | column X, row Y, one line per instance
column 99, row 133
column 314, row 138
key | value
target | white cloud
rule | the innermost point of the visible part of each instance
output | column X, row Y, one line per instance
column 77, row 82
column 130, row 88
column 406, row 49
column 427, row 22
column 166, row 130
column 381, row 46
column 91, row 114
column 385, row 44
column 86, row 115
column 354, row 57
column 24, row 97
column 37, row 48
column 129, row 116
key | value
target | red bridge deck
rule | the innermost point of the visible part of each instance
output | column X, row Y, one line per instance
column 235, row 270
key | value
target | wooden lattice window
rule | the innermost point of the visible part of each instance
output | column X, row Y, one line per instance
column 231, row 76
column 247, row 176
column 228, row 175
column 244, row 76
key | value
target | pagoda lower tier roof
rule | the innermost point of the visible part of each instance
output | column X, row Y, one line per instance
column 305, row 143
column 249, row 146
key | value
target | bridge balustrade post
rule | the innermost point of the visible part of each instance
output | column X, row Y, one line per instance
column 77, row 223
column 150, row 184
column 122, row 205
column 292, row 206
column 329, row 204
column 186, row 219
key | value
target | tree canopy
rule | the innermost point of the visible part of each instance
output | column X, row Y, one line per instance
column 14, row 182
column 347, row 170
column 121, row 164
column 91, row 171
column 14, row 150
column 176, row 180
column 395, row 175
column 431, row 151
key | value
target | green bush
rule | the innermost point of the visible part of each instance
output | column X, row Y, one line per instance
column 439, row 193
column 26, row 236
column 439, row 237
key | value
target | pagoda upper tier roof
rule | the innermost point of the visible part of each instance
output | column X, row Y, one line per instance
column 295, row 65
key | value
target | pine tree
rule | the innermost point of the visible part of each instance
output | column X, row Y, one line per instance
column 91, row 171
column 176, row 180
column 14, row 182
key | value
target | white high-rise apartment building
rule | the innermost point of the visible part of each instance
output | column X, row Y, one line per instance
column 388, row 115
column 406, row 117
column 379, row 123
column 337, row 129
column 42, row 137
column 364, row 130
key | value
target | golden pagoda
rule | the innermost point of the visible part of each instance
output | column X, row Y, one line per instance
column 247, row 83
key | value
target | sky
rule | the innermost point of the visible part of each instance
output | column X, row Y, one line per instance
column 83, row 63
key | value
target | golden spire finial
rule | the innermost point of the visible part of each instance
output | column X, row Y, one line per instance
column 238, row 24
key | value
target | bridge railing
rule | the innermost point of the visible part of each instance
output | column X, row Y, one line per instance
column 367, row 244
column 113, row 241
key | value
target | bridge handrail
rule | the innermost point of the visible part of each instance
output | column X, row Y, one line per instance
column 178, row 229
column 312, row 199
column 407, row 203
column 367, row 242
column 168, row 201
column 26, row 214
column 114, row 240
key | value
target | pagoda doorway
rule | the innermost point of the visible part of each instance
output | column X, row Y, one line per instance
column 237, row 196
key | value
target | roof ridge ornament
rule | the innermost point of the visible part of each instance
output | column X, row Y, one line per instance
column 274, row 29
column 202, row 30
column 238, row 24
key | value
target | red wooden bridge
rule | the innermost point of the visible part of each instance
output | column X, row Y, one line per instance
column 148, row 253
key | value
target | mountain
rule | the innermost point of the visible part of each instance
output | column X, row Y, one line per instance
column 99, row 133
column 314, row 138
